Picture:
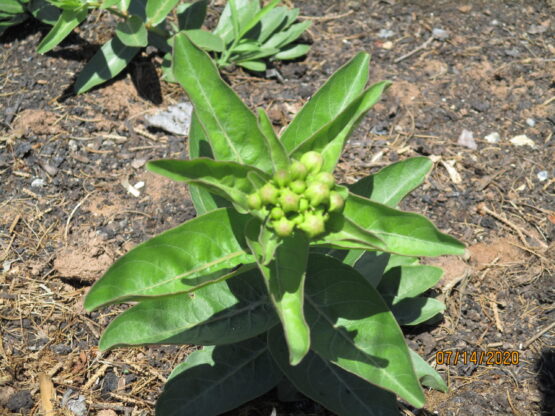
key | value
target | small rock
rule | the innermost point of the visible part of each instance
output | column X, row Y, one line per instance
column 37, row 183
column 494, row 22
column 514, row 52
column 20, row 401
column 385, row 33
column 138, row 163
column 543, row 175
column 466, row 139
column 480, row 106
column 531, row 122
column 440, row 34
column 78, row 406
column 523, row 140
column 493, row 137
column 537, row 29
column 387, row 45
column 176, row 119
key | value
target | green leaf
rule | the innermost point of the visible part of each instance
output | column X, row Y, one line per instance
column 217, row 379
column 109, row 61
column 68, row 20
column 255, row 53
column 293, row 52
column 408, row 281
column 336, row 389
column 226, row 179
column 283, row 38
column 206, row 40
column 245, row 11
column 256, row 66
column 160, row 42
column 229, row 125
column 284, row 276
column 4, row 24
column 221, row 313
column 280, row 160
column 43, row 11
column 11, row 7
column 414, row 311
column 330, row 139
column 201, row 251
column 157, row 10
column 132, row 32
column 191, row 16
column 352, row 327
column 404, row 233
column 330, row 100
column 343, row 233
column 136, row 7
column 426, row 374
column 257, row 17
column 371, row 266
column 391, row 184
column 271, row 22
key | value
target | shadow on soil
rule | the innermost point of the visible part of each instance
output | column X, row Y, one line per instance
column 546, row 381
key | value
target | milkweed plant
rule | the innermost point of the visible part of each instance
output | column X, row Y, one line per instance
column 285, row 275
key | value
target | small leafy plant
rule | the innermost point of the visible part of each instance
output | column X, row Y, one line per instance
column 14, row 12
column 284, row 275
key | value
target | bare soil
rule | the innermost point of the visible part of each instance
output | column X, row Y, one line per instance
column 67, row 162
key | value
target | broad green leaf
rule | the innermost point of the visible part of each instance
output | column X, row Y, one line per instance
column 203, row 200
column 408, row 281
column 426, row 374
column 109, row 61
column 206, row 40
column 330, row 100
column 404, row 233
column 371, row 266
column 226, row 179
column 391, row 184
column 292, row 53
column 136, row 7
column 271, row 22
column 345, row 234
column 330, row 139
column 280, row 160
column 245, row 9
column 43, row 11
column 201, row 251
column 256, row 66
column 395, row 261
column 352, row 327
column 229, row 125
column 414, row 311
column 11, row 7
column 221, row 313
column 217, row 379
column 162, row 44
column 68, row 20
column 283, row 38
column 257, row 17
column 191, row 16
column 157, row 10
column 246, row 46
column 132, row 32
column 284, row 276
column 111, row 3
column 336, row 389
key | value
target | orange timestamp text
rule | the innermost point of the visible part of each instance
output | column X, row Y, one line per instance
column 496, row 357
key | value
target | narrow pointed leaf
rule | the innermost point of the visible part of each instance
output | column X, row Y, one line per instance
column 109, row 61
column 199, row 252
column 404, row 233
column 157, row 10
column 217, row 379
column 330, row 100
column 283, row 38
column 346, row 234
column 11, row 7
column 272, row 21
column 256, row 66
column 132, row 32
column 226, row 179
column 284, row 276
column 68, row 20
column 408, row 281
column 44, row 11
column 352, row 327
column 229, row 125
column 292, row 52
column 391, row 184
column 257, row 17
column 204, row 317
column 416, row 310
column 426, row 374
column 330, row 139
column 280, row 160
column 245, row 11
column 336, row 389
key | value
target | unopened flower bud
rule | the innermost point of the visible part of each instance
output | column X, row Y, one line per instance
column 276, row 213
column 325, row 177
column 254, row 201
column 283, row 227
column 336, row 202
column 289, row 200
column 317, row 192
column 297, row 186
column 269, row 194
column 297, row 170
column 313, row 161
column 298, row 219
column 281, row 178
column 303, row 204
column 313, row 225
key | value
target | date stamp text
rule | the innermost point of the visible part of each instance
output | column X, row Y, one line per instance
column 497, row 357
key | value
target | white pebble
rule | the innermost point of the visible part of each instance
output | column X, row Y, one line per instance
column 543, row 175
column 523, row 140
column 531, row 122
column 493, row 137
column 37, row 183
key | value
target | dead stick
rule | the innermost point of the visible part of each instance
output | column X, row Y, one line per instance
column 539, row 334
column 415, row 50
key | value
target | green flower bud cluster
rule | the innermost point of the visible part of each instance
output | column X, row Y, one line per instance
column 299, row 197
